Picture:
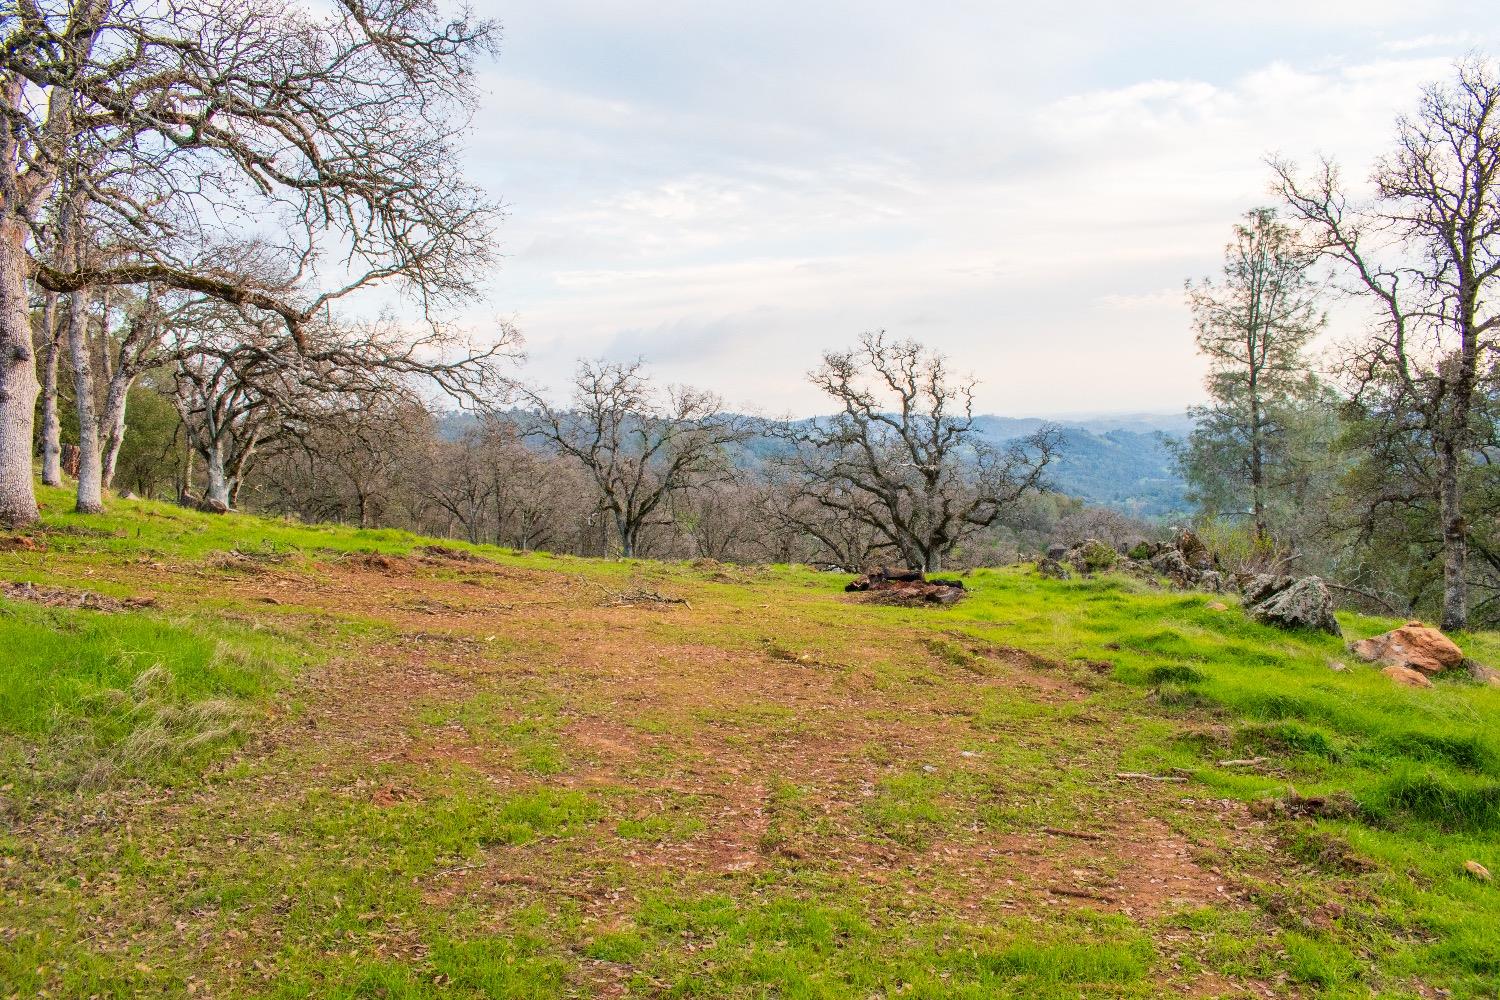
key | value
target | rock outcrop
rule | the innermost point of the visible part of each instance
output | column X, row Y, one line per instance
column 1305, row 604
column 1091, row 556
column 1086, row 558
column 1414, row 646
column 1185, row 561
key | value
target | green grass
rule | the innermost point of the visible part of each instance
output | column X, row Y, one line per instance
column 101, row 696
column 769, row 792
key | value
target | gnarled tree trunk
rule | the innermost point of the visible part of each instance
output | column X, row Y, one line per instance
column 18, row 382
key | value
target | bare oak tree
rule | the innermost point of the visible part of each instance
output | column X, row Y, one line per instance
column 637, row 443
column 1426, row 250
column 903, row 456
column 182, row 125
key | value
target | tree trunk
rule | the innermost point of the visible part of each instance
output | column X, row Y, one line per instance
column 185, row 482
column 115, row 398
column 627, row 537
column 1455, row 544
column 90, row 463
column 18, row 383
column 1257, row 465
column 216, row 486
column 51, row 424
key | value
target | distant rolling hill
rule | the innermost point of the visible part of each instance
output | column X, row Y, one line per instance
column 1123, row 463
column 1118, row 461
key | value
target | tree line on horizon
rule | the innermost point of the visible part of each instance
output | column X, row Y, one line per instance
column 194, row 196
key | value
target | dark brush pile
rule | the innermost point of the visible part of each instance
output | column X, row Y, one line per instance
column 906, row 587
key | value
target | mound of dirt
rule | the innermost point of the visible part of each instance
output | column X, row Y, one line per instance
column 376, row 561
column 451, row 554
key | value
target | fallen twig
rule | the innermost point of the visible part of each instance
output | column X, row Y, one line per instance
column 449, row 871
column 1245, row 762
column 1147, row 777
column 1076, row 834
column 632, row 598
column 1097, row 897
column 1368, row 595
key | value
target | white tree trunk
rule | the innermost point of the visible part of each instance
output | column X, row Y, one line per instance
column 90, row 462
column 216, row 488
column 113, row 423
column 18, row 382
column 51, row 424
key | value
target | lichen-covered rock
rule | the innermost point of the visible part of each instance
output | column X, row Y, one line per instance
column 1091, row 556
column 1170, row 563
column 1052, row 568
column 1412, row 645
column 1306, row 604
column 1265, row 586
column 1193, row 550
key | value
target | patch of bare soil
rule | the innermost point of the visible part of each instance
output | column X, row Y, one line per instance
column 665, row 728
column 1149, row 870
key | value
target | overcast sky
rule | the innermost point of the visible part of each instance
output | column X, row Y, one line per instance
column 726, row 189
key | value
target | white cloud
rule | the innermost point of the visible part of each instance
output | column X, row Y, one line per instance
column 729, row 192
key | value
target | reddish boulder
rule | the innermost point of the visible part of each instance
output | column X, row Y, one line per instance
column 1414, row 646
column 1407, row 676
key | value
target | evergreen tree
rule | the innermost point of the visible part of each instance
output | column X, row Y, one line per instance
column 1253, row 325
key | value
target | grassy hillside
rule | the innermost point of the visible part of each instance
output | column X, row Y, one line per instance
column 340, row 763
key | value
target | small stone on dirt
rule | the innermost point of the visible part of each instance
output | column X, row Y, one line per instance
column 448, row 552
